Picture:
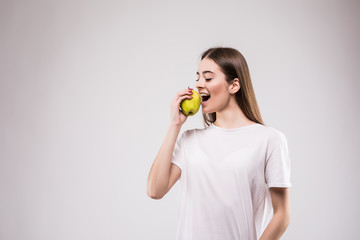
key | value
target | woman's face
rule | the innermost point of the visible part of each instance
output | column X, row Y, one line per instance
column 211, row 80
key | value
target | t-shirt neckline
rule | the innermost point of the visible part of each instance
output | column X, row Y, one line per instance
column 212, row 125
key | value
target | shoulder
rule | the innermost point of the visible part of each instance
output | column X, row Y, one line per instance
column 275, row 136
column 195, row 132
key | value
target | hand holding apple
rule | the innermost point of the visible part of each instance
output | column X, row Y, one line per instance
column 191, row 106
column 177, row 117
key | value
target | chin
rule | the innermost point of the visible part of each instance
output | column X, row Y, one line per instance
column 207, row 112
column 204, row 111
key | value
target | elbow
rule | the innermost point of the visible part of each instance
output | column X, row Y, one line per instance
column 288, row 216
column 155, row 197
column 286, row 220
column 283, row 218
column 153, row 194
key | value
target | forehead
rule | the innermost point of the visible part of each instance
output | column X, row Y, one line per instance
column 208, row 65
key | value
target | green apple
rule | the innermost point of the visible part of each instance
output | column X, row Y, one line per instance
column 191, row 106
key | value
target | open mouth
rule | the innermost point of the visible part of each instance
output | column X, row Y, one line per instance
column 205, row 98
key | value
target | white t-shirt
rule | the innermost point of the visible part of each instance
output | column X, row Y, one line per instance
column 225, row 179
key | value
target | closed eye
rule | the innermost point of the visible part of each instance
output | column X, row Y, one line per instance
column 207, row 79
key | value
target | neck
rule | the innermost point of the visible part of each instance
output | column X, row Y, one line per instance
column 232, row 116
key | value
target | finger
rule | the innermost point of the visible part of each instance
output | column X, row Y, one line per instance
column 182, row 98
column 183, row 92
column 176, row 102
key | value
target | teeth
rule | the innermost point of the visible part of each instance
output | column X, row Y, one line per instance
column 204, row 94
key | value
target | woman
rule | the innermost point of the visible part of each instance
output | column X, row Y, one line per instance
column 235, row 172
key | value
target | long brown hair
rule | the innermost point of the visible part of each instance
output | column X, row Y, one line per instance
column 233, row 64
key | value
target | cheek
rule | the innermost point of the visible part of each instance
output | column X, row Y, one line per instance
column 218, row 90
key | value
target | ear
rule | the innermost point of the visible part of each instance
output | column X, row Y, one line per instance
column 235, row 86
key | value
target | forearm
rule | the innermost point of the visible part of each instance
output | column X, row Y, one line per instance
column 276, row 227
column 158, row 178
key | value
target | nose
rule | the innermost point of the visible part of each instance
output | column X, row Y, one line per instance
column 200, row 83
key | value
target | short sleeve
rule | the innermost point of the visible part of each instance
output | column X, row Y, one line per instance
column 178, row 156
column 277, row 169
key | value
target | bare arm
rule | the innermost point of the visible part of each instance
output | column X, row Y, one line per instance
column 162, row 174
column 280, row 198
column 159, row 175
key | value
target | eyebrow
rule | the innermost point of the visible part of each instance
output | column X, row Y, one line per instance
column 206, row 72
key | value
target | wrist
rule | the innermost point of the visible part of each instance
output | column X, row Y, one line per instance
column 176, row 126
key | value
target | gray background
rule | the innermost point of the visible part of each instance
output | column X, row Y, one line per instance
column 85, row 97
